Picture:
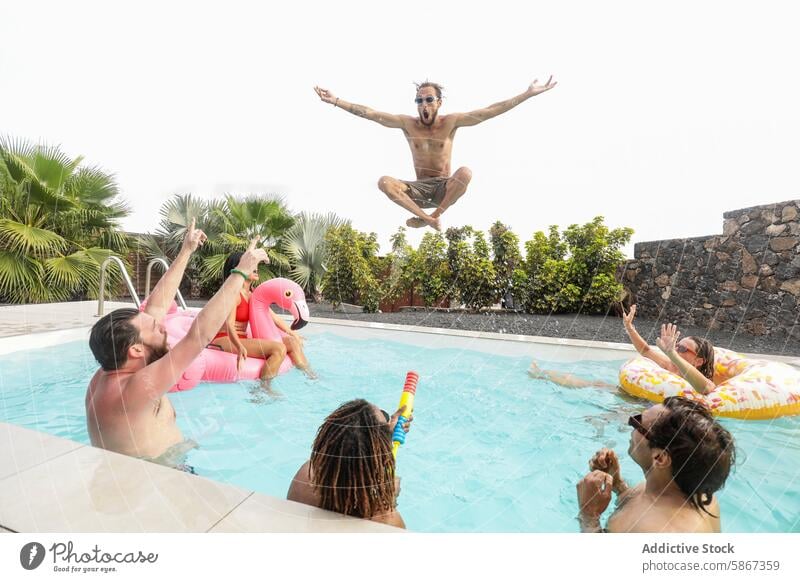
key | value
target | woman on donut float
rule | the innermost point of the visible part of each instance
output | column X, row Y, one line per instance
column 691, row 358
column 729, row 384
column 232, row 337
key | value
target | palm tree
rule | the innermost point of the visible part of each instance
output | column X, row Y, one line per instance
column 229, row 225
column 304, row 244
column 58, row 221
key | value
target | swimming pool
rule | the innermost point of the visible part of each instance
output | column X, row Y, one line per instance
column 490, row 450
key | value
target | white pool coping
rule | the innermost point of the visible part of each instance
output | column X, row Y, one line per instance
column 50, row 484
column 548, row 348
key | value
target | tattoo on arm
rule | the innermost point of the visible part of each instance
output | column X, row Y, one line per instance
column 359, row 110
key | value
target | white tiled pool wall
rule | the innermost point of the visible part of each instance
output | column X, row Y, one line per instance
column 49, row 484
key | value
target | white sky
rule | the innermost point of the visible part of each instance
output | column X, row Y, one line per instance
column 666, row 114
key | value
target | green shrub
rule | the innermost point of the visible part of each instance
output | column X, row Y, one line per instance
column 473, row 280
column 506, row 257
column 396, row 269
column 571, row 272
column 351, row 258
column 429, row 270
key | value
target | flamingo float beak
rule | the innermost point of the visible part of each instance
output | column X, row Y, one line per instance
column 301, row 315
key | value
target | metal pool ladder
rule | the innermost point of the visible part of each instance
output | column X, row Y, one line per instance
column 129, row 284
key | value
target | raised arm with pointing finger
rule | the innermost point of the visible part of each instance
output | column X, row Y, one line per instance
column 159, row 300
column 127, row 409
column 157, row 378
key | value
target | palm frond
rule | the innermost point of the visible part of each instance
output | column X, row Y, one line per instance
column 151, row 247
column 304, row 245
column 19, row 159
column 212, row 268
column 29, row 240
column 53, row 167
column 179, row 211
column 113, row 274
column 92, row 186
column 21, row 278
column 67, row 274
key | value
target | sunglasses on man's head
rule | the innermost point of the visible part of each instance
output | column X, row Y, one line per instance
column 428, row 99
column 386, row 415
column 682, row 349
column 636, row 422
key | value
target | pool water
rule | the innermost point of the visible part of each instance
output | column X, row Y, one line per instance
column 490, row 449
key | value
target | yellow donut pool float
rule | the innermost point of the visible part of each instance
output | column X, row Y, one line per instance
column 746, row 388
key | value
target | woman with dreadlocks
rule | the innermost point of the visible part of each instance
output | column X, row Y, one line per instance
column 691, row 358
column 352, row 469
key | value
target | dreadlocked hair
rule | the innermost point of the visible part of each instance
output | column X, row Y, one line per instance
column 352, row 463
column 702, row 450
column 705, row 350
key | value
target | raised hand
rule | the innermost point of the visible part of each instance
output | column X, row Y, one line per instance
column 252, row 257
column 194, row 237
column 669, row 338
column 627, row 318
column 325, row 95
column 535, row 89
column 594, row 494
column 607, row 461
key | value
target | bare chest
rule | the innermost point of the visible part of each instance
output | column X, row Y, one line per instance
column 429, row 143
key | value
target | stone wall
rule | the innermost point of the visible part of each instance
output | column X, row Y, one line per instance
column 745, row 279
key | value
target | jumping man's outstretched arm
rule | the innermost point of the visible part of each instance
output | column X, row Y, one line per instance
column 479, row 115
column 385, row 119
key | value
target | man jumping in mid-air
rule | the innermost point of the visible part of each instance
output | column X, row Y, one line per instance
column 430, row 137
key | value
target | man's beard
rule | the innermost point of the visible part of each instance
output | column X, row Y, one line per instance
column 157, row 352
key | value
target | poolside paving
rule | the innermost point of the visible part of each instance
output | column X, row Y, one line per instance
column 51, row 484
column 42, row 317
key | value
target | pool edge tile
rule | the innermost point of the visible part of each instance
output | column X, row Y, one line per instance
column 92, row 490
column 261, row 513
column 29, row 448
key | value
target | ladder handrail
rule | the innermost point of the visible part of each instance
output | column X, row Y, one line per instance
column 125, row 277
column 165, row 264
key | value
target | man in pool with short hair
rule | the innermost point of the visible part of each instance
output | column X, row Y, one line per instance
column 430, row 137
column 127, row 409
column 686, row 456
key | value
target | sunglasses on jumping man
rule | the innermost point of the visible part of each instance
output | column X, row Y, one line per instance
column 428, row 99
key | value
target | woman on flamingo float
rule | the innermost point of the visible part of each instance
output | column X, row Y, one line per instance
column 232, row 337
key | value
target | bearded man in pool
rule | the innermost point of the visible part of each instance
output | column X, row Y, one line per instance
column 430, row 137
column 127, row 409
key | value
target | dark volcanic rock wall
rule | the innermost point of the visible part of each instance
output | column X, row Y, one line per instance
column 746, row 279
